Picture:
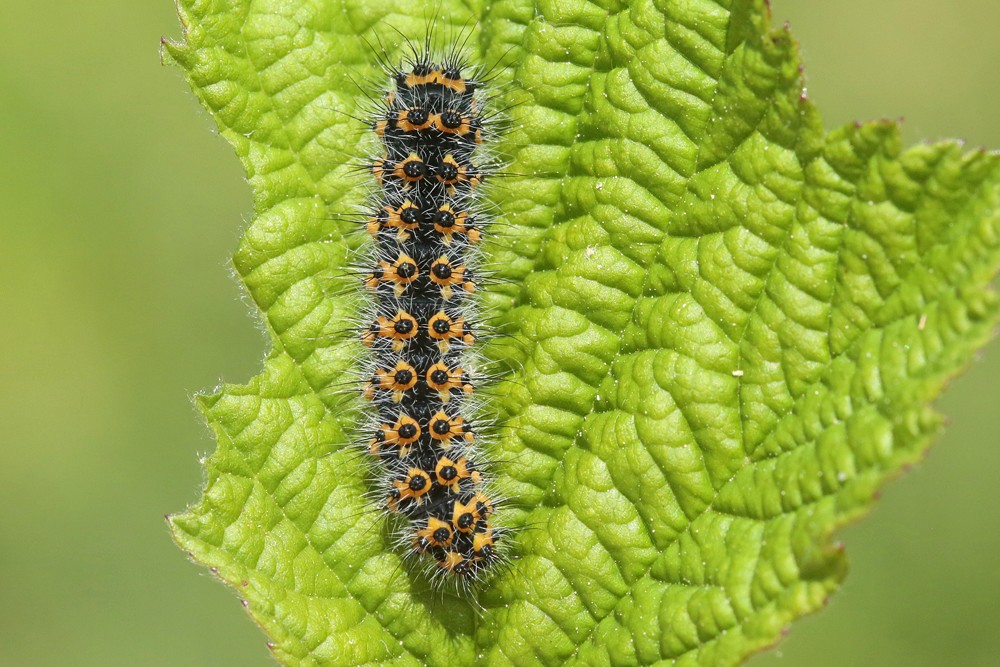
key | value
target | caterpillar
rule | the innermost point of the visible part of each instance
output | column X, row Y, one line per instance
column 425, row 220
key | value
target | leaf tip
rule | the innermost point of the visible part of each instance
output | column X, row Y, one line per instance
column 170, row 50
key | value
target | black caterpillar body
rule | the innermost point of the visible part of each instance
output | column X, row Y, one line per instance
column 420, row 280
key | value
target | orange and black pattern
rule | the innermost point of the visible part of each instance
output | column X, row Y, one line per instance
column 425, row 227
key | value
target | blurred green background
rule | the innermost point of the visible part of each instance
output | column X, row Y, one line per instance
column 119, row 211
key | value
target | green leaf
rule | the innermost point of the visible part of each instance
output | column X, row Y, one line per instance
column 728, row 326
